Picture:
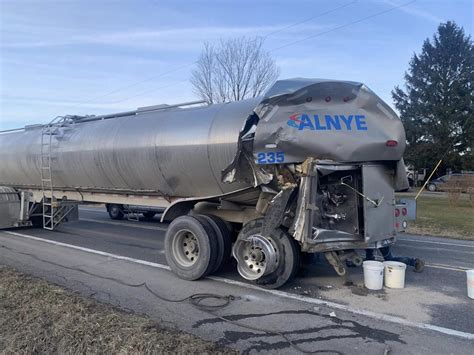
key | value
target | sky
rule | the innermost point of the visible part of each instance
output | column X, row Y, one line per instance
column 104, row 56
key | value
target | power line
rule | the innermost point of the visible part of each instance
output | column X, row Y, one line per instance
column 139, row 82
column 194, row 62
column 305, row 38
column 149, row 91
column 267, row 35
column 310, row 18
column 343, row 26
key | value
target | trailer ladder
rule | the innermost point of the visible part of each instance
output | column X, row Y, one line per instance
column 54, row 211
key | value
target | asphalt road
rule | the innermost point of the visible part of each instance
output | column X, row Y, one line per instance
column 432, row 299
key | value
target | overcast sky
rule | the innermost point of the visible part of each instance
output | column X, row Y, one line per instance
column 91, row 57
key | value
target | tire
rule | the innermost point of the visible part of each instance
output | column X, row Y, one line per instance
column 219, row 239
column 37, row 221
column 288, row 250
column 431, row 187
column 224, row 235
column 149, row 214
column 115, row 212
column 185, row 261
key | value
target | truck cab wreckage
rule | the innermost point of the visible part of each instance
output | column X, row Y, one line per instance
column 310, row 167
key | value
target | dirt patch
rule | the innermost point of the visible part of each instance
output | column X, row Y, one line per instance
column 38, row 317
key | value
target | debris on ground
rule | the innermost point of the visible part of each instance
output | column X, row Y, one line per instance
column 38, row 317
column 360, row 291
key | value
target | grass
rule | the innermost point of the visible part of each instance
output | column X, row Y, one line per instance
column 437, row 216
column 37, row 317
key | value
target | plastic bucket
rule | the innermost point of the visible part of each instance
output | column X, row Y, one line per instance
column 470, row 283
column 394, row 274
column 373, row 274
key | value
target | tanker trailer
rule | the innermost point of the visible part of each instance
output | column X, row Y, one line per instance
column 310, row 167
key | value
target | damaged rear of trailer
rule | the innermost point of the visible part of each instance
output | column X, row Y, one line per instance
column 312, row 166
column 340, row 151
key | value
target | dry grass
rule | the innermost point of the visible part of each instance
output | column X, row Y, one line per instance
column 458, row 185
column 440, row 216
column 37, row 317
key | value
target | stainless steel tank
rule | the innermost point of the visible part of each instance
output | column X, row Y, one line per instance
column 177, row 152
column 182, row 152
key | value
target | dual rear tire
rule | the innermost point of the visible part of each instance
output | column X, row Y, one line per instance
column 199, row 245
column 196, row 246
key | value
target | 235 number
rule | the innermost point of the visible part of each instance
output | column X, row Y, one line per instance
column 270, row 157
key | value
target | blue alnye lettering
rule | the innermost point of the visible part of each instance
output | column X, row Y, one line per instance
column 326, row 123
column 360, row 123
column 317, row 123
column 347, row 121
column 334, row 122
column 305, row 123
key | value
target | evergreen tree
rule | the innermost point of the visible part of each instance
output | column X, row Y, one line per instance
column 437, row 104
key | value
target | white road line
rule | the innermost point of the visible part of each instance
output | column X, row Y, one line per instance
column 400, row 239
column 342, row 307
column 141, row 226
column 437, row 249
column 91, row 210
column 431, row 242
column 447, row 267
column 92, row 251
column 283, row 294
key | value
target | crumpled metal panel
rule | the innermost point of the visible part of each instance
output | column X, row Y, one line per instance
column 327, row 119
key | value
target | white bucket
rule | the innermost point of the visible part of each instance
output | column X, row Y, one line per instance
column 470, row 283
column 394, row 274
column 373, row 274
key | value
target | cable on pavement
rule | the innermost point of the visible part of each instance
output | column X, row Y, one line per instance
column 196, row 300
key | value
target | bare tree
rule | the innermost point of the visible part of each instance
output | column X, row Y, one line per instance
column 235, row 69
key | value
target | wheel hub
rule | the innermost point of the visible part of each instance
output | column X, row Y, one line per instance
column 256, row 256
column 186, row 248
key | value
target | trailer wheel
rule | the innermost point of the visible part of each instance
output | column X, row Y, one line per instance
column 224, row 240
column 149, row 214
column 37, row 221
column 191, row 247
column 289, row 261
column 278, row 267
column 115, row 211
